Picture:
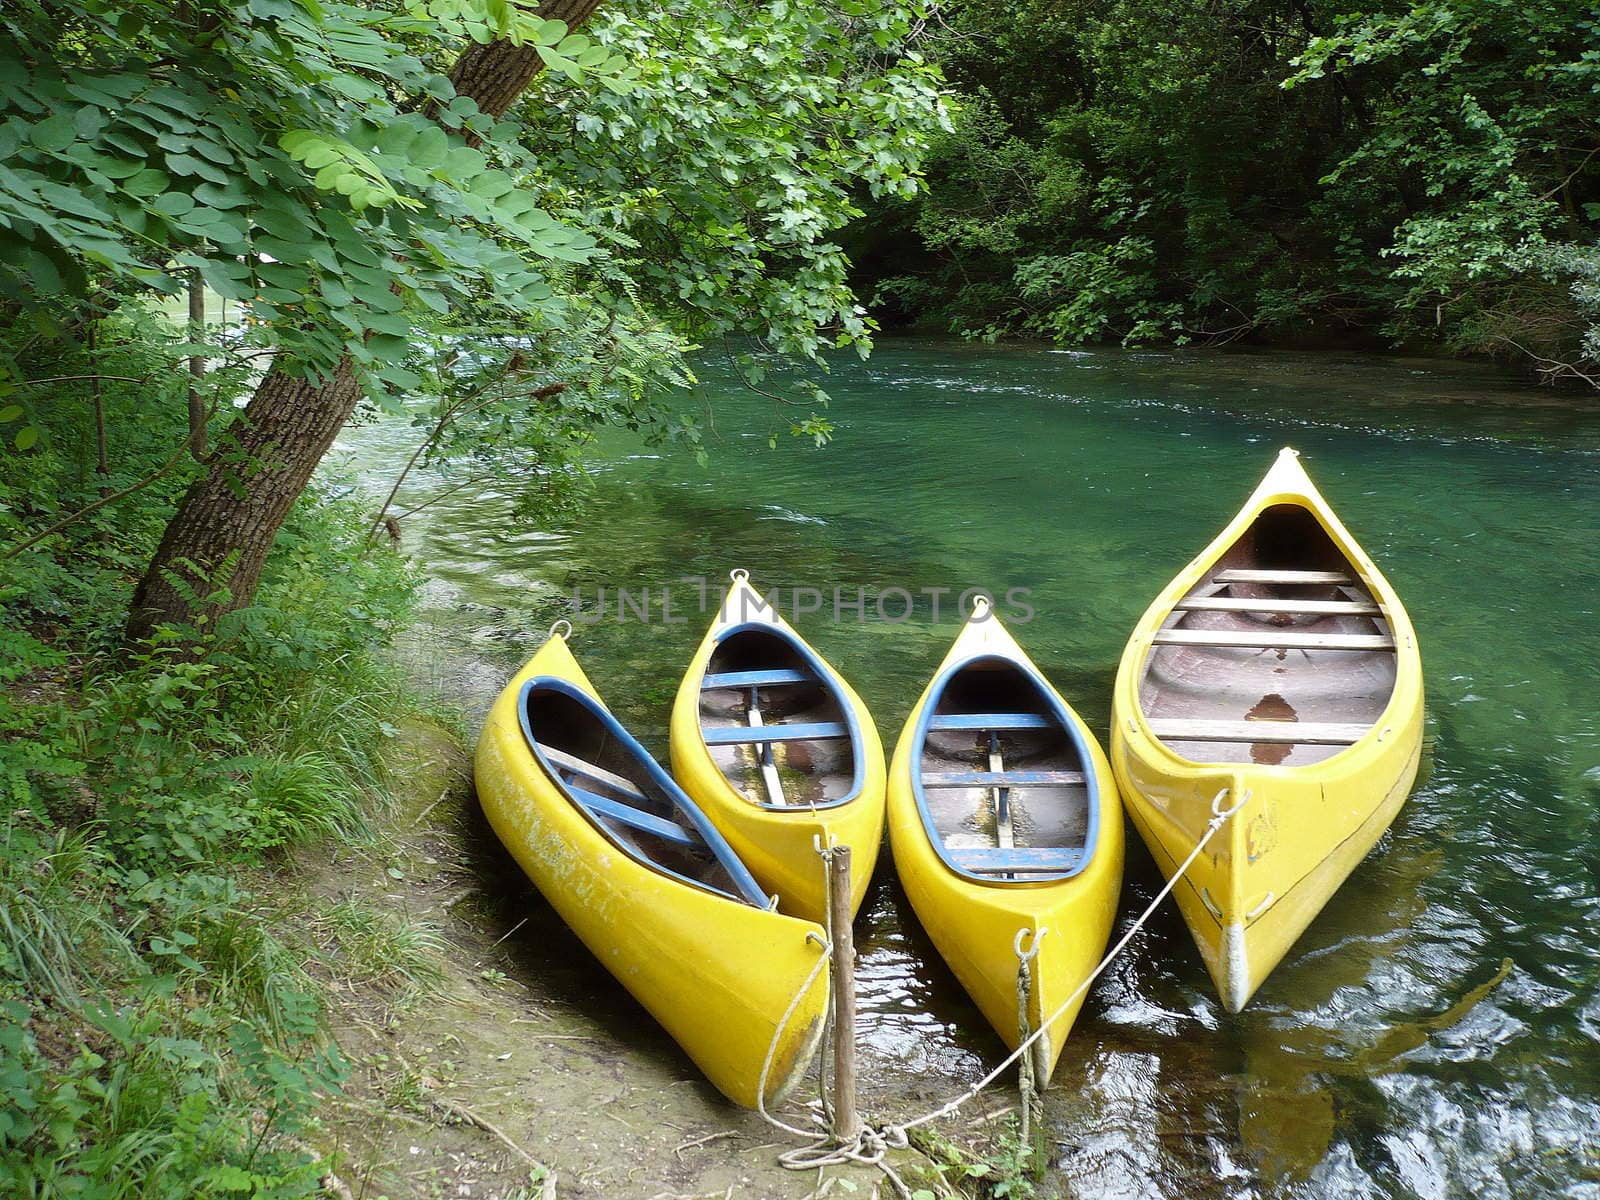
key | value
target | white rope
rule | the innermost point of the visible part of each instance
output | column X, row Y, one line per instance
column 871, row 1145
column 1218, row 816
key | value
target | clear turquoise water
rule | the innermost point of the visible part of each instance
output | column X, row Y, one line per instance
column 1375, row 1061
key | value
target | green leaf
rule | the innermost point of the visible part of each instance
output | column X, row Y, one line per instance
column 148, row 182
column 173, row 204
column 54, row 134
column 26, row 437
column 10, row 413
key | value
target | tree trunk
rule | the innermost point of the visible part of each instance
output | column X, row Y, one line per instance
column 496, row 73
column 197, row 367
column 228, row 519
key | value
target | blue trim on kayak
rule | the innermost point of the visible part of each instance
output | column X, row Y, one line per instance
column 749, row 890
column 1063, row 719
column 828, row 679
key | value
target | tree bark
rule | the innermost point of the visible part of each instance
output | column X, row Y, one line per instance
column 496, row 73
column 217, row 541
column 228, row 519
column 197, row 367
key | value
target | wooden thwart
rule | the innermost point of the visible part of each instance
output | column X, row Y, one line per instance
column 1274, row 641
column 955, row 779
column 1298, row 733
column 1018, row 860
column 588, row 770
column 1272, row 604
column 741, row 735
column 948, row 722
column 743, row 679
column 1240, row 575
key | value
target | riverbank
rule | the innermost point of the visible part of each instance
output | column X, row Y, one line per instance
column 519, row 1068
column 1088, row 478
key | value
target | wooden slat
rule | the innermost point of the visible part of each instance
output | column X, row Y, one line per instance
column 737, row 736
column 1252, row 576
column 1297, row 733
column 1271, row 604
column 983, row 721
column 953, row 779
column 589, row 771
column 769, row 768
column 743, row 679
column 1274, row 641
column 626, row 814
column 1018, row 860
column 1004, row 835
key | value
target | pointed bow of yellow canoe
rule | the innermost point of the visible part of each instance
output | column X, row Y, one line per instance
column 779, row 845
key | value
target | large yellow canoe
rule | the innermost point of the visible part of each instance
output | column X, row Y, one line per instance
column 779, row 752
column 1279, row 669
column 1006, row 832
column 646, row 881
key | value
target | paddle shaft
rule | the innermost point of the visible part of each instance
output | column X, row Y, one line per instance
column 846, row 1121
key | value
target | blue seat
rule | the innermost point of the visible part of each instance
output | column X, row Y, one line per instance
column 989, row 779
column 742, row 679
column 1021, row 860
column 946, row 722
column 634, row 818
column 740, row 735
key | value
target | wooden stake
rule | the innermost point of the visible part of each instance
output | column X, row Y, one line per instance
column 846, row 1121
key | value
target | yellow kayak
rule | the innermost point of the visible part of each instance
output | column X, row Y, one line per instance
column 1006, row 831
column 646, row 881
column 778, row 751
column 1278, row 671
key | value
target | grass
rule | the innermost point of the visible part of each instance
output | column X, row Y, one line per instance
column 369, row 947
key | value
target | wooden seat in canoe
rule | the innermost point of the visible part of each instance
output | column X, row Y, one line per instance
column 1016, row 860
column 1296, row 733
column 1007, row 779
column 572, row 764
column 1273, row 604
column 1274, row 640
column 775, row 733
column 948, row 722
column 1240, row 575
column 746, row 679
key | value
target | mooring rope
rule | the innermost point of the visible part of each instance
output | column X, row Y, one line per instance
column 872, row 1144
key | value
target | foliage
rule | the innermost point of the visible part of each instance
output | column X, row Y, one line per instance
column 285, row 154
column 1165, row 172
column 312, row 160
column 1484, row 116
column 157, row 1038
column 1004, row 1170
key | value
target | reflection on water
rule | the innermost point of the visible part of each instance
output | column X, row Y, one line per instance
column 1437, row 1031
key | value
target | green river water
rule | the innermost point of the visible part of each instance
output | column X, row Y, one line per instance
column 1382, row 1058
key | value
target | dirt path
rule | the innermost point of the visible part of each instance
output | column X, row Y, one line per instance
column 514, row 1070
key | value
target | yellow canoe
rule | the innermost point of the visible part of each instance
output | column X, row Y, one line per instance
column 1279, row 669
column 1006, row 831
column 645, row 880
column 778, row 751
